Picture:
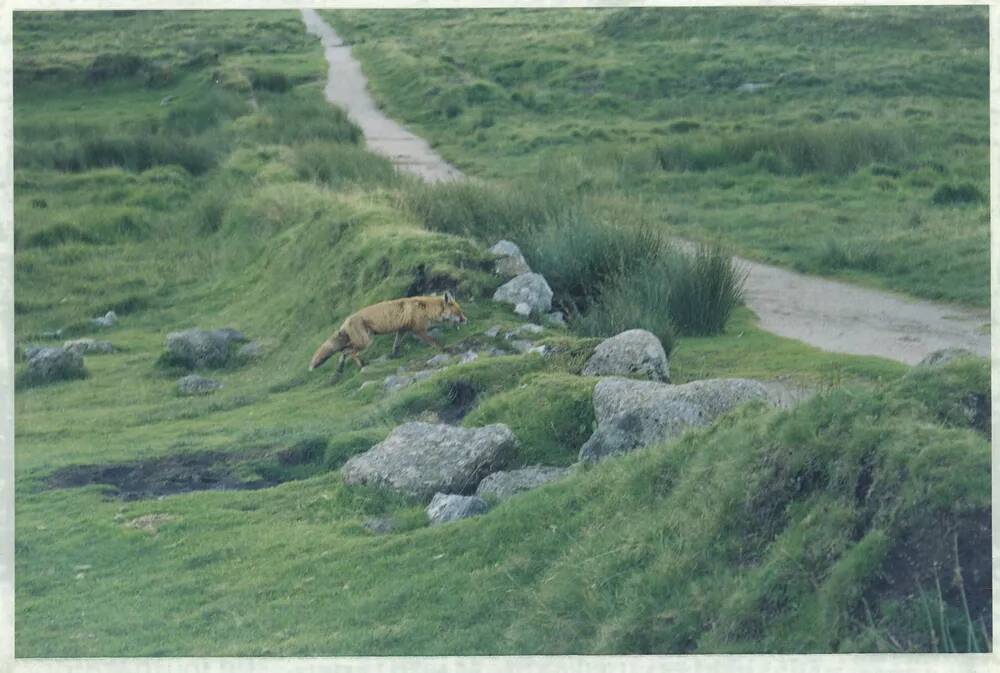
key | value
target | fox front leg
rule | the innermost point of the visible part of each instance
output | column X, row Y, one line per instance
column 428, row 339
column 397, row 343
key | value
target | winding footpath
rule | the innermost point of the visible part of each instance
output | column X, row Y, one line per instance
column 830, row 315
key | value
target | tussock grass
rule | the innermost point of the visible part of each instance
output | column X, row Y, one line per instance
column 834, row 149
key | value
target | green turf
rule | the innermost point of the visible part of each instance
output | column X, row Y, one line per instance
column 771, row 531
column 865, row 157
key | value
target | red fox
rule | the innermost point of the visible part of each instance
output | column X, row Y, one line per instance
column 411, row 314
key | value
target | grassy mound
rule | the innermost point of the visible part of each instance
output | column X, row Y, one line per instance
column 855, row 522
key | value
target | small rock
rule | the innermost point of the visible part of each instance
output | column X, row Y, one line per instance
column 31, row 351
column 510, row 262
column 500, row 486
column 439, row 360
column 89, row 347
column 528, row 288
column 556, row 318
column 521, row 345
column 496, row 352
column 367, row 384
column 202, row 348
column 399, row 381
column 54, row 364
column 468, row 357
column 529, row 328
column 56, row 334
column 541, row 350
column 752, row 87
column 635, row 352
column 166, row 100
column 523, row 309
column 450, row 507
column 196, row 385
column 107, row 320
column 493, row 331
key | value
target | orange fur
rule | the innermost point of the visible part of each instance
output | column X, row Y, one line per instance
column 412, row 314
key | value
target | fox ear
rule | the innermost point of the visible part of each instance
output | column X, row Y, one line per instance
column 448, row 298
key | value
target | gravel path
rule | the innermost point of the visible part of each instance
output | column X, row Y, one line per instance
column 831, row 315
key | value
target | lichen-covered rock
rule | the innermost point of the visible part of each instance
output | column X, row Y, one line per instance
column 500, row 486
column 510, row 262
column 712, row 397
column 556, row 318
column 89, row 347
column 528, row 288
column 421, row 459
column 202, row 348
column 633, row 414
column 632, row 353
column 46, row 365
column 447, row 507
column 196, row 385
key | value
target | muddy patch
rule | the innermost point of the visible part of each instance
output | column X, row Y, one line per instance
column 196, row 471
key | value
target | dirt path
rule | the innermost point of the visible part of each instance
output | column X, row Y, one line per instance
column 827, row 314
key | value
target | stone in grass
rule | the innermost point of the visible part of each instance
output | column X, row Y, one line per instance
column 107, row 320
column 421, row 459
column 46, row 365
column 528, row 288
column 468, row 356
column 250, row 351
column 202, row 348
column 944, row 356
column 89, row 347
column 510, row 262
column 493, row 331
column 556, row 318
column 439, row 360
column 379, row 525
column 523, row 309
column 447, row 507
column 500, row 486
column 396, row 382
column 635, row 352
column 196, row 385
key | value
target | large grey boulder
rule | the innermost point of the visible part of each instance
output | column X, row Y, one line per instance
column 632, row 353
column 510, row 262
column 447, row 507
column 633, row 414
column 89, row 347
column 54, row 364
column 421, row 459
column 202, row 348
column 500, row 486
column 530, row 289
column 196, row 385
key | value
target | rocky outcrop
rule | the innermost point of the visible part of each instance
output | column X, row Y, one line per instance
column 447, row 507
column 632, row 414
column 529, row 289
column 421, row 459
column 500, row 486
column 635, row 353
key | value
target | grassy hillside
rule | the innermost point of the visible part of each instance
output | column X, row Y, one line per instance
column 243, row 200
column 849, row 142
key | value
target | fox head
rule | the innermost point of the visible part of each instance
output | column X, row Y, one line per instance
column 451, row 311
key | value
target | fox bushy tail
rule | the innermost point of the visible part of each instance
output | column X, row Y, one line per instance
column 331, row 346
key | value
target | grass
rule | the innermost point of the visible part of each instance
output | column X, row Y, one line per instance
column 865, row 127
column 816, row 529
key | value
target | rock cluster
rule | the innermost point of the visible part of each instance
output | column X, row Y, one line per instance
column 196, row 348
